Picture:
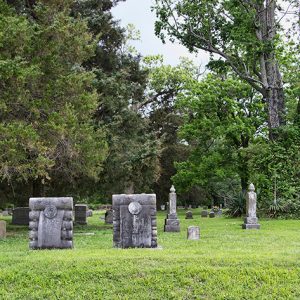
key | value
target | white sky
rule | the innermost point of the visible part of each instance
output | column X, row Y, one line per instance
column 138, row 13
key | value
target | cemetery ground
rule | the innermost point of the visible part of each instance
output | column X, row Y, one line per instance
column 226, row 263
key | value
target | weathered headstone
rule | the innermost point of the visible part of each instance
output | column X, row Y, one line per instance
column 172, row 222
column 193, row 233
column 134, row 219
column 51, row 223
column 109, row 216
column 89, row 213
column 2, row 229
column 204, row 213
column 5, row 213
column 251, row 221
column 189, row 215
column 20, row 216
column 212, row 214
column 80, row 214
column 163, row 207
column 219, row 213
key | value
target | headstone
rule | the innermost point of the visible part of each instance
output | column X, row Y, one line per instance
column 212, row 214
column 134, row 219
column 189, row 215
column 80, row 214
column 2, row 229
column 109, row 216
column 219, row 212
column 251, row 221
column 5, row 213
column 193, row 233
column 204, row 213
column 89, row 213
column 163, row 207
column 190, row 206
column 20, row 216
column 172, row 222
column 51, row 223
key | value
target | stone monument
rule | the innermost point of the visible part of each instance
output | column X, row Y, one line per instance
column 189, row 215
column 172, row 222
column 51, row 223
column 2, row 229
column 204, row 213
column 212, row 214
column 20, row 216
column 109, row 216
column 193, row 233
column 80, row 214
column 251, row 221
column 134, row 219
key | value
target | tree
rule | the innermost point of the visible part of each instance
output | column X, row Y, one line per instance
column 221, row 118
column 244, row 34
column 47, row 98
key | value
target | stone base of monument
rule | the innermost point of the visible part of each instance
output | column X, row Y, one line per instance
column 251, row 223
column 172, row 223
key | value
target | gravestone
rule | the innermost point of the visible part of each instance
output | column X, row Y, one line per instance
column 193, row 233
column 189, row 215
column 80, row 214
column 172, row 222
column 51, row 223
column 163, row 207
column 2, row 229
column 251, row 221
column 109, row 216
column 212, row 214
column 134, row 219
column 89, row 213
column 219, row 213
column 204, row 213
column 5, row 213
column 20, row 216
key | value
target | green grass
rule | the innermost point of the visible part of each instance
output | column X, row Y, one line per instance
column 226, row 263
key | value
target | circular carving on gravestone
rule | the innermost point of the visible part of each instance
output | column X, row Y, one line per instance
column 50, row 211
column 134, row 208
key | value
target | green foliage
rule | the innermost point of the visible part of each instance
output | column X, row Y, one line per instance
column 46, row 130
column 275, row 169
column 226, row 263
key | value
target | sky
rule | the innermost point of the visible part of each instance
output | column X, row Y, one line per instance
column 138, row 13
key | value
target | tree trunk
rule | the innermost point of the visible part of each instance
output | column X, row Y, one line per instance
column 270, row 74
column 38, row 189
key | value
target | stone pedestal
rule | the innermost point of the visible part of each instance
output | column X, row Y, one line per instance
column 134, row 219
column 172, row 221
column 20, row 216
column 2, row 229
column 80, row 214
column 189, row 215
column 51, row 223
column 193, row 233
column 251, row 221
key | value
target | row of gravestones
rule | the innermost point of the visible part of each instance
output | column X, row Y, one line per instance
column 134, row 220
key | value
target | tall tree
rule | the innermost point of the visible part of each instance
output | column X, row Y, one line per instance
column 47, row 98
column 244, row 34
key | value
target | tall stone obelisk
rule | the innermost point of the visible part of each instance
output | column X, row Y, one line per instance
column 172, row 222
column 251, row 221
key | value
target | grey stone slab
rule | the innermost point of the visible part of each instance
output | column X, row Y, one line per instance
column 204, row 213
column 189, row 215
column 251, row 226
column 193, row 233
column 134, row 221
column 2, row 229
column 211, row 214
column 109, row 216
column 20, row 216
column 51, row 223
column 172, row 228
column 80, row 214
column 172, row 222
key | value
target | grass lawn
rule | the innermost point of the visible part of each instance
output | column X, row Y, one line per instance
column 226, row 263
